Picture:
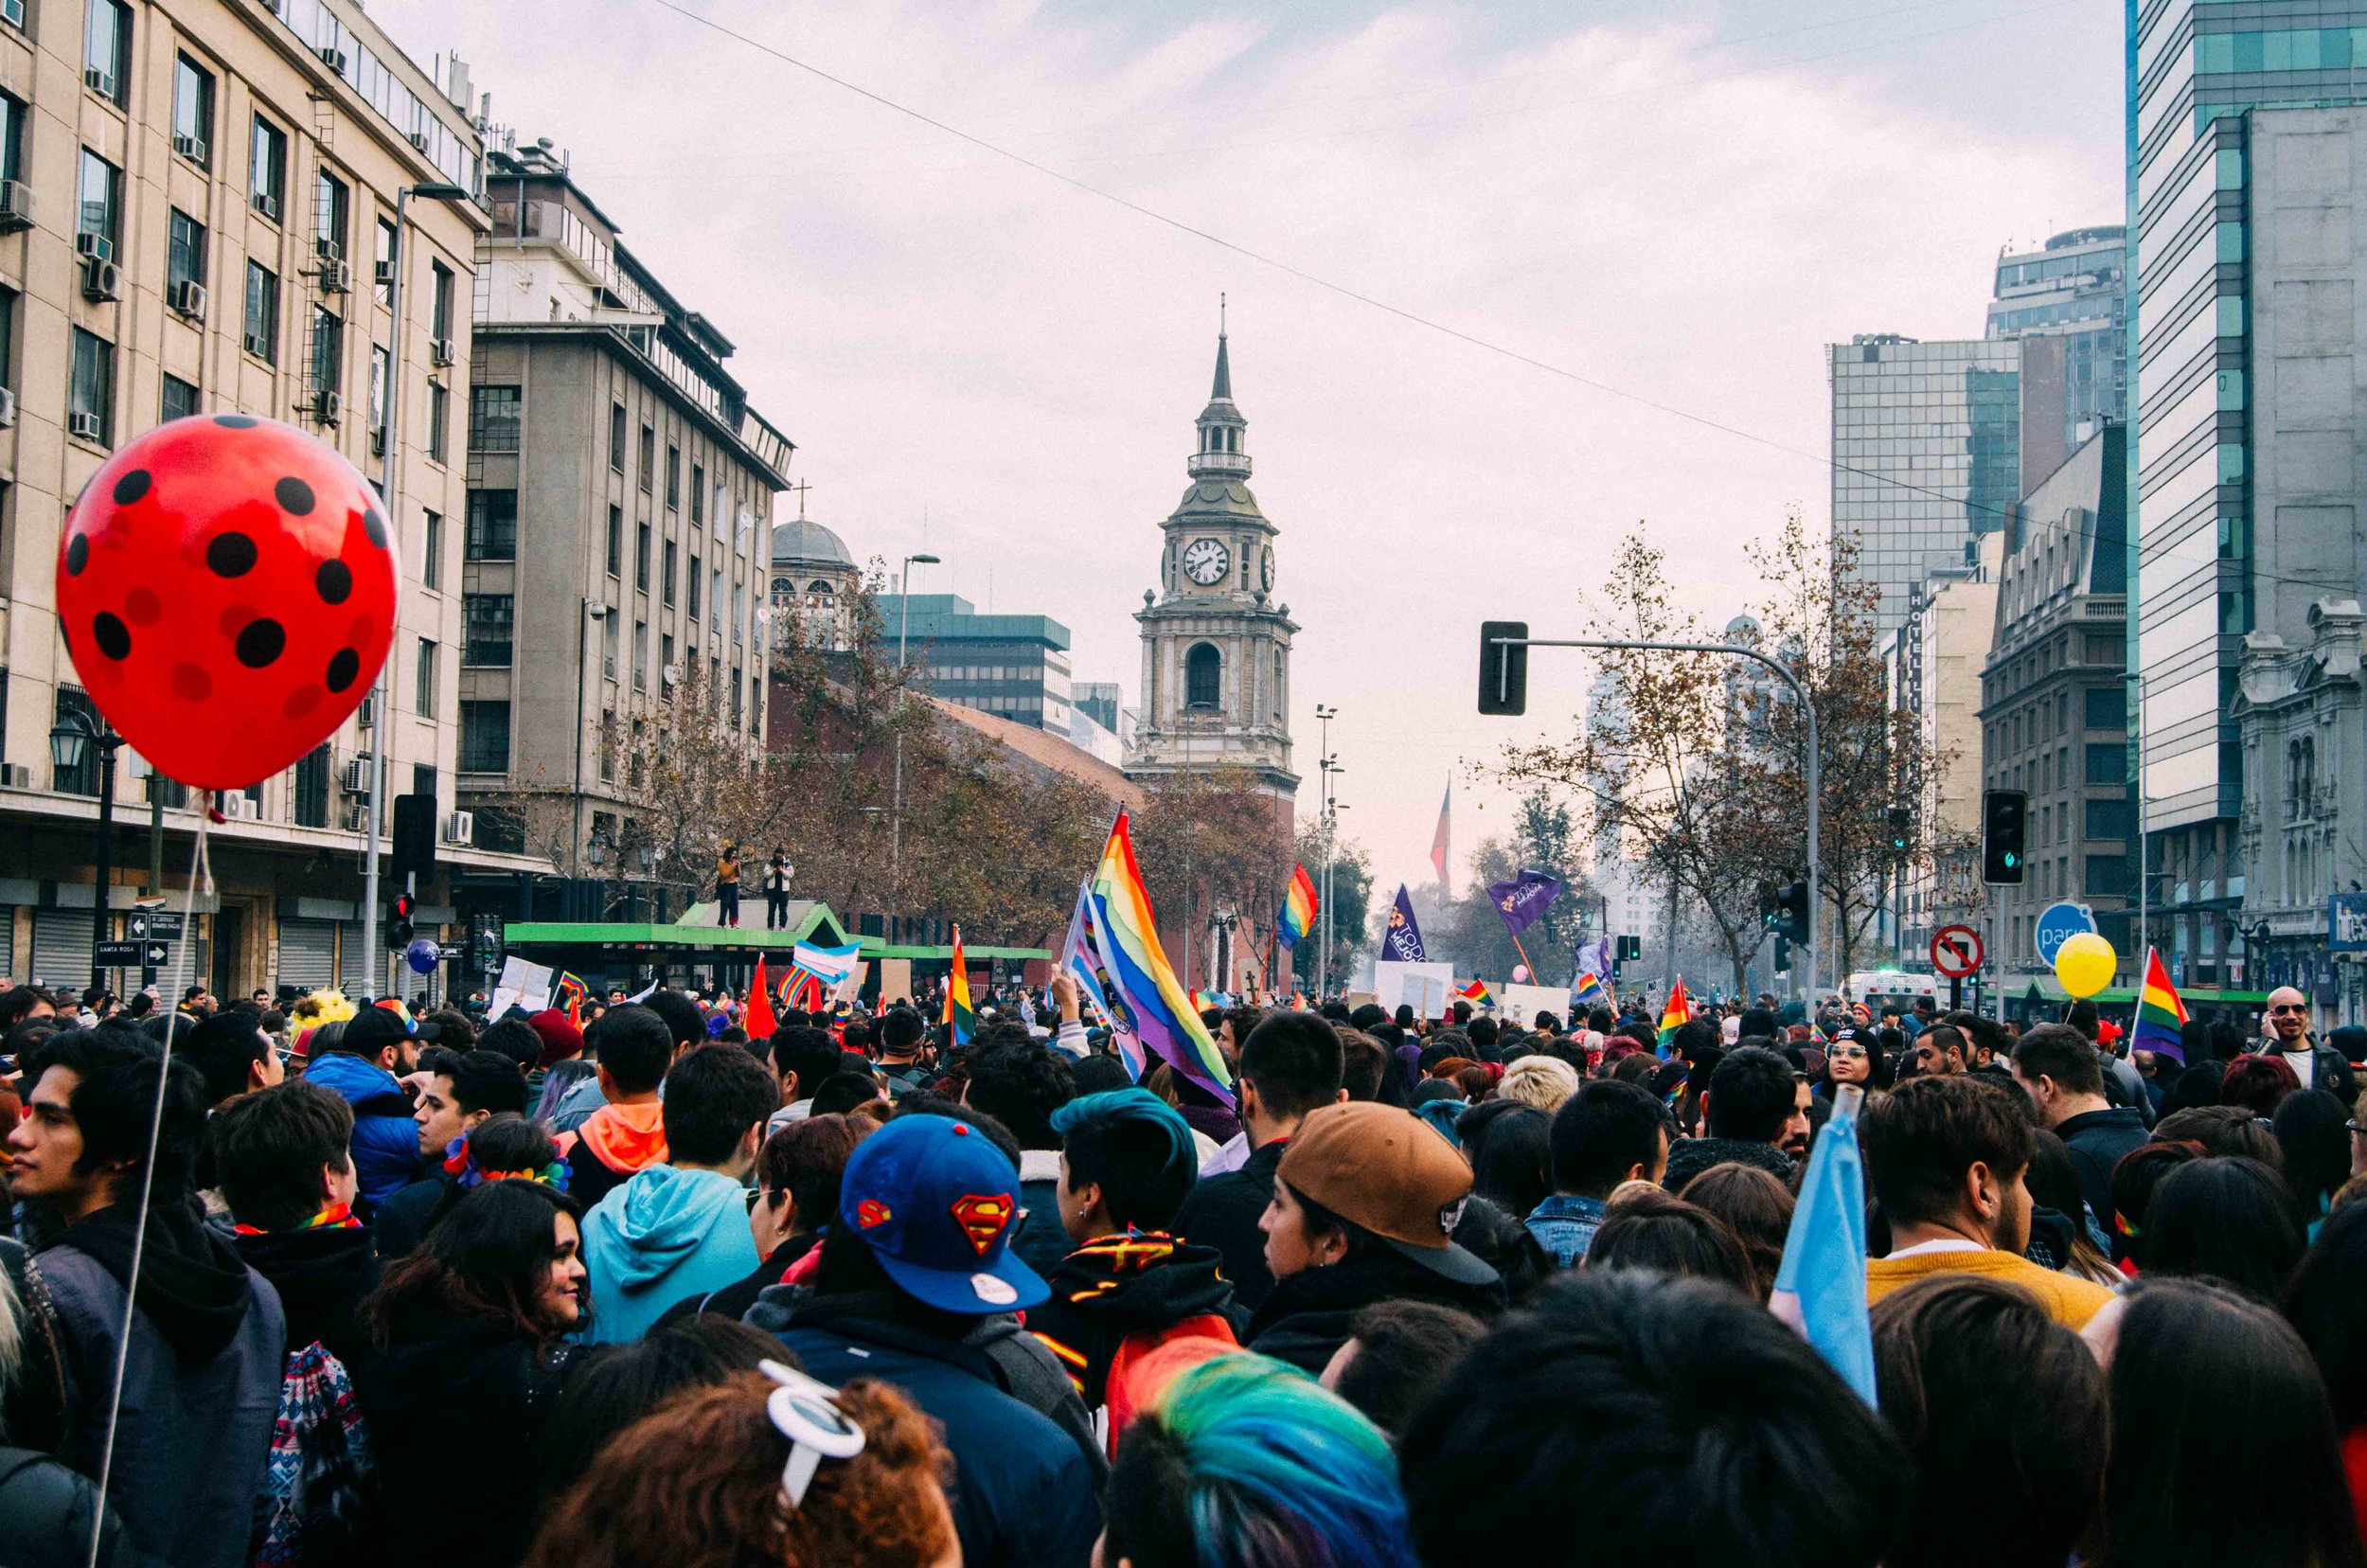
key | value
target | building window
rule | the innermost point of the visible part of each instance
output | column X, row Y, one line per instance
column 98, row 205
column 665, row 661
column 616, row 439
column 82, row 780
column 649, row 457
column 262, row 313
column 641, row 655
column 608, row 741
column 184, row 250
column 494, row 413
column 107, row 51
column 383, row 264
column 616, row 541
column 715, row 601
column 11, row 137
column 694, row 588
column 484, row 736
column 328, row 352
column 194, row 112
column 439, row 301
column 267, row 168
column 608, row 644
column 665, row 577
column 92, row 390
column 431, row 551
column 2108, row 875
column 698, row 495
column 382, row 368
column 2107, row 707
column 488, row 619
column 438, row 423
column 330, row 202
column 736, row 609
column 2108, row 764
column 673, row 477
column 739, row 711
column 179, row 401
column 423, row 693
column 641, row 556
column 309, row 788
column 1201, row 667
column 492, row 524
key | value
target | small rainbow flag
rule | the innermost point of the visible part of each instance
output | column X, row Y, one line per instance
column 1475, row 991
column 1296, row 917
column 2161, row 1015
column 1589, row 992
column 1677, row 1014
column 1166, row 1017
column 957, row 1011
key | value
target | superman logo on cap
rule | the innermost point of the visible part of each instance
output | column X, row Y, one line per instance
column 872, row 1212
column 982, row 1218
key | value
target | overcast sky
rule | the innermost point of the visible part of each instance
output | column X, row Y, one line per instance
column 1683, row 202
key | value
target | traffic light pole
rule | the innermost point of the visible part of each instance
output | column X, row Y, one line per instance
column 1807, row 707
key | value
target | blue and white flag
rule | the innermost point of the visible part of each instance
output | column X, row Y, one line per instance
column 1082, row 958
column 1820, row 1288
column 1402, row 942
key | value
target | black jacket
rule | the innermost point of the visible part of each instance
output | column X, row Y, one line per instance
column 321, row 1276
column 1689, row 1157
column 1304, row 1318
column 37, row 1411
column 403, row 1218
column 1221, row 1212
column 1123, row 1285
column 733, row 1300
column 2097, row 1139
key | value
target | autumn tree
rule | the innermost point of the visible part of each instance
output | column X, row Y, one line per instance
column 1347, row 913
column 1472, row 933
column 1215, row 845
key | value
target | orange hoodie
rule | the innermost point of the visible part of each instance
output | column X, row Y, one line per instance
column 625, row 1138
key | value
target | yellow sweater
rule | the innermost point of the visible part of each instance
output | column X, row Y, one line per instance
column 2068, row 1299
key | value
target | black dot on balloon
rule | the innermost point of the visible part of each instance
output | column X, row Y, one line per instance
column 294, row 495
column 237, row 421
column 230, row 555
column 113, row 637
column 334, row 580
column 344, row 666
column 260, row 642
column 374, row 525
column 132, row 487
column 77, row 554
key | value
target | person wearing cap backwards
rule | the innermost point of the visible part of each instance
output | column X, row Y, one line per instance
column 360, row 1068
column 920, row 1252
column 1364, row 1203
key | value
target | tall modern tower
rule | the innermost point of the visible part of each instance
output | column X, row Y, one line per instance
column 2074, row 290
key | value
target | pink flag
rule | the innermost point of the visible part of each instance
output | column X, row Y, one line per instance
column 1439, row 840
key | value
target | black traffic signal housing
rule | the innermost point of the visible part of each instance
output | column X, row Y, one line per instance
column 1770, row 906
column 1504, row 687
column 413, row 860
column 1900, row 821
column 1782, row 956
column 1630, row 949
column 399, row 912
column 1791, row 919
column 2004, row 817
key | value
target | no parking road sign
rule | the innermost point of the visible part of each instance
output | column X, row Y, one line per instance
column 1956, row 951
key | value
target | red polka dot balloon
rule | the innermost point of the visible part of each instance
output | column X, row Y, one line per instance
column 226, row 585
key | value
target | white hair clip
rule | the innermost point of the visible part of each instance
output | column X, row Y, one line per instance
column 803, row 1409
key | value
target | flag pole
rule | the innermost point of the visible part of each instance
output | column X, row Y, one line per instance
column 1524, row 959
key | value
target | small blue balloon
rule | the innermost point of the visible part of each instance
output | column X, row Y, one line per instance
column 422, row 956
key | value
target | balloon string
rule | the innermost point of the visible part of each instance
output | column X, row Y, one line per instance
column 200, row 870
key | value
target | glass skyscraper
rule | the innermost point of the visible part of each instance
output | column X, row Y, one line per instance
column 1927, row 456
column 2075, row 289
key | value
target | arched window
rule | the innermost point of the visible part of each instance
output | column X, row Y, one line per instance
column 1201, row 667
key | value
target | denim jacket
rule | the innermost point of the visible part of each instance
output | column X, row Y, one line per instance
column 1564, row 1224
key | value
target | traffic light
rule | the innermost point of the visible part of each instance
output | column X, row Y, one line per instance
column 2004, row 813
column 413, row 860
column 1504, row 669
column 1630, row 949
column 1770, row 906
column 399, row 911
column 1782, row 956
column 1791, row 920
column 1901, row 821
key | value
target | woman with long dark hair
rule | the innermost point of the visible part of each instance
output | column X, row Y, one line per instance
column 2230, row 1220
column 2327, row 1303
column 468, row 1330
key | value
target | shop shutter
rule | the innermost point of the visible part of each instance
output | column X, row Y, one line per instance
column 62, row 948
column 308, row 953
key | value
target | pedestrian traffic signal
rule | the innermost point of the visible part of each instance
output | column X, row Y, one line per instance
column 1770, row 906
column 1630, row 949
column 1782, row 956
column 1901, row 824
column 2004, row 813
column 399, row 911
column 1791, row 916
column 1504, row 667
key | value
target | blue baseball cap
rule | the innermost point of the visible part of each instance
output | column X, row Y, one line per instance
column 938, row 1204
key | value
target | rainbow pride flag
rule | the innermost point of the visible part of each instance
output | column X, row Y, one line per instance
column 2161, row 1015
column 1677, row 1014
column 958, row 1011
column 1296, row 917
column 1476, row 991
column 1166, row 1017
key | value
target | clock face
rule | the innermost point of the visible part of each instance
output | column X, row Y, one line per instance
column 1265, row 570
column 1205, row 561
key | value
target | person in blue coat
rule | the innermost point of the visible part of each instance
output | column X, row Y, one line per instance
column 360, row 1069
column 920, row 1252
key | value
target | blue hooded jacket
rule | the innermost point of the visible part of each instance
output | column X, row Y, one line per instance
column 665, row 1235
column 386, row 1139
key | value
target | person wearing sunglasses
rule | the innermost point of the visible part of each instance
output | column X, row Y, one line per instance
column 1854, row 1057
column 2317, row 1066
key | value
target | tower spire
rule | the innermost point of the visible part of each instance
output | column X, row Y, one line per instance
column 1223, row 388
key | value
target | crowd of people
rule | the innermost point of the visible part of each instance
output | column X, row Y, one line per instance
column 648, row 1290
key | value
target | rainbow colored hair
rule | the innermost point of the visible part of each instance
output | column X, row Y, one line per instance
column 1282, row 1469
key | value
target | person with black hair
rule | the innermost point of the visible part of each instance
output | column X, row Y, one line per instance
column 1396, row 1352
column 460, row 1094
column 2313, row 1130
column 1968, row 1368
column 1750, row 1111
column 2231, row 1221
column 504, row 1143
column 612, row 1386
column 2057, row 1067
column 797, row 1176
column 2196, row 1372
column 1709, row 1432
column 359, row 1059
column 1290, row 1064
column 2327, row 1303
column 514, row 1038
column 1667, row 1235
column 1606, row 1133
column 686, row 1023
column 681, row 1229
column 287, row 1173
column 470, row 1334
column 900, row 1034
column 201, row 1354
column 802, row 1056
column 1022, row 1084
column 843, row 1091
column 232, row 1055
column 634, row 1048
column 1510, row 1146
column 1364, row 1066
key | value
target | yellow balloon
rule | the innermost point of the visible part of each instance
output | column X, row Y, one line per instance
column 2085, row 963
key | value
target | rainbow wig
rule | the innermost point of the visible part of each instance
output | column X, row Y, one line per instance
column 1245, row 1462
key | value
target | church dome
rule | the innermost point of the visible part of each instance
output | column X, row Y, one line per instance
column 802, row 543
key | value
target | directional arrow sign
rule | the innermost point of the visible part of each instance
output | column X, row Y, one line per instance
column 1956, row 951
column 153, row 954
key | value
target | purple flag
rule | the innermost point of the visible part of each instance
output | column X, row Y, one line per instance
column 1402, row 942
column 1523, row 900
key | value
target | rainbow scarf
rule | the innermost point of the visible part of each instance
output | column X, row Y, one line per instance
column 335, row 1216
column 2161, row 1015
column 462, row 1167
column 1164, row 1018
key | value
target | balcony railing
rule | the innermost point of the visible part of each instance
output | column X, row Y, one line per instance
column 1218, row 465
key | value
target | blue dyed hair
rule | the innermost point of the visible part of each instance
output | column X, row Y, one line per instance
column 1136, row 1147
column 1440, row 1117
column 1245, row 1462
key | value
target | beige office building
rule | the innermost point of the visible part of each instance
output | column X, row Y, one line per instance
column 198, row 198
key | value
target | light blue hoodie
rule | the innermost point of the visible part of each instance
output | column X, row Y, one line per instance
column 665, row 1235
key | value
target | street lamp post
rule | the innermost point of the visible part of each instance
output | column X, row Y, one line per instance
column 593, row 610
column 1323, row 716
column 896, row 808
column 69, row 744
column 391, row 490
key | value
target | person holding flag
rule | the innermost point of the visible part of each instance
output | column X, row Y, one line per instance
column 2160, row 1014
